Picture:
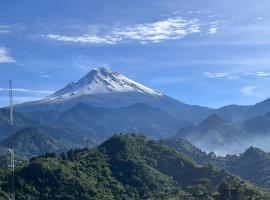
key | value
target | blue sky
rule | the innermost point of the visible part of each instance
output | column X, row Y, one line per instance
column 210, row 53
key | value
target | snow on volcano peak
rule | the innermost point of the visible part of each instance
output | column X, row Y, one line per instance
column 102, row 81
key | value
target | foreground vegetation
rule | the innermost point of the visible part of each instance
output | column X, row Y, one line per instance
column 123, row 167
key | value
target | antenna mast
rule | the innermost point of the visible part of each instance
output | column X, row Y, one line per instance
column 11, row 147
column 85, row 141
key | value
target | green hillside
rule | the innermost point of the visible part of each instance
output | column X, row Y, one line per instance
column 31, row 142
column 123, row 167
column 253, row 164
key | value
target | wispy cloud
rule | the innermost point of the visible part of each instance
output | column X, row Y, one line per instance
column 235, row 76
column 18, row 99
column 45, row 75
column 221, row 75
column 5, row 57
column 29, row 91
column 94, row 39
column 262, row 74
column 4, row 29
column 213, row 28
column 172, row 28
column 168, row 29
column 214, row 75
column 249, row 90
column 259, row 19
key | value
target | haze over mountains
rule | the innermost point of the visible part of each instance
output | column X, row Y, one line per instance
column 106, row 102
column 92, row 110
column 253, row 164
column 215, row 134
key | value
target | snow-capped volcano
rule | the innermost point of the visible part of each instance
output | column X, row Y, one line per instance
column 106, row 88
column 101, row 81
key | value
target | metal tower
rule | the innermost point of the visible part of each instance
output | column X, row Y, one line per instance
column 11, row 147
column 85, row 142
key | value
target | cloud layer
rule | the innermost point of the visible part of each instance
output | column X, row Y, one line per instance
column 169, row 29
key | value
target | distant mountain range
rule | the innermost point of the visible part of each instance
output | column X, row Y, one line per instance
column 96, row 123
column 220, row 136
column 106, row 102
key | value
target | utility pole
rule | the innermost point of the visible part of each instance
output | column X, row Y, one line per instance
column 11, row 147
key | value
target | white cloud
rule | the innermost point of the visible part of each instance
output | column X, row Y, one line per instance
column 249, row 90
column 215, row 75
column 221, row 75
column 212, row 30
column 5, row 57
column 259, row 19
column 45, row 75
column 262, row 74
column 4, row 29
column 83, row 39
column 257, row 74
column 28, row 91
column 236, row 76
column 171, row 28
column 18, row 99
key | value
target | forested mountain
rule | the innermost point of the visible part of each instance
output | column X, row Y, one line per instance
column 258, row 125
column 95, row 124
column 20, row 122
column 139, row 118
column 223, row 137
column 253, row 164
column 100, row 123
column 123, row 167
column 31, row 142
column 214, row 134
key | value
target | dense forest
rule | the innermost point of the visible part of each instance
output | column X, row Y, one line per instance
column 126, row 166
